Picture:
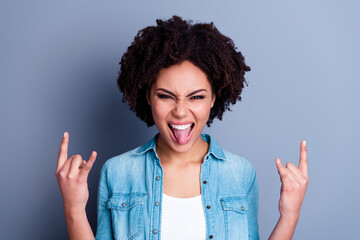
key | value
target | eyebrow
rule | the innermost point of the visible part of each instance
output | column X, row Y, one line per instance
column 173, row 94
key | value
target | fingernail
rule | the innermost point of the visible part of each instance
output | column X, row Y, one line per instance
column 65, row 133
column 304, row 143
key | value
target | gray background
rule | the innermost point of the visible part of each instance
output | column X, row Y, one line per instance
column 58, row 69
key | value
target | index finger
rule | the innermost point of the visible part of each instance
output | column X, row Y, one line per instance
column 303, row 163
column 63, row 151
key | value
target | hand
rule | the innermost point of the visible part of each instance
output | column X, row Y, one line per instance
column 294, row 183
column 72, row 177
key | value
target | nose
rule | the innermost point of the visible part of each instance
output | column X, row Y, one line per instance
column 180, row 109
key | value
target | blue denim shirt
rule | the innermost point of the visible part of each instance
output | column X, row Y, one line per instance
column 130, row 195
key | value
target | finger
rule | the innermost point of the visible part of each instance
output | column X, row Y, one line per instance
column 86, row 169
column 280, row 167
column 294, row 170
column 82, row 164
column 285, row 175
column 282, row 171
column 63, row 151
column 294, row 174
column 66, row 167
column 75, row 164
column 303, row 162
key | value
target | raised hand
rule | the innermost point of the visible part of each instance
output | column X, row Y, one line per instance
column 72, row 177
column 294, row 183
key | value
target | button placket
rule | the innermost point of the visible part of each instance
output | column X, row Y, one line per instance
column 205, row 192
column 155, row 225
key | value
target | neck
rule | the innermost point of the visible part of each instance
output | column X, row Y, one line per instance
column 195, row 155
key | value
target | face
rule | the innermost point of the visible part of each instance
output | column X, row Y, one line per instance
column 181, row 100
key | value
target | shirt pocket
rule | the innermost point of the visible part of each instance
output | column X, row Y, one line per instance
column 126, row 214
column 235, row 217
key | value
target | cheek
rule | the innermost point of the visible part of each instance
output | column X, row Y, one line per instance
column 158, row 113
column 202, row 111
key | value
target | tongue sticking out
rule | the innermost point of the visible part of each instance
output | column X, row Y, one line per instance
column 182, row 135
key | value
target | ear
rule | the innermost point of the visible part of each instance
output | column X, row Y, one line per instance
column 213, row 100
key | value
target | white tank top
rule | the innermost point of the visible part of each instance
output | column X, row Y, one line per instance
column 182, row 218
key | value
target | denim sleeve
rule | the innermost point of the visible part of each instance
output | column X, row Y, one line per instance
column 253, row 200
column 104, row 231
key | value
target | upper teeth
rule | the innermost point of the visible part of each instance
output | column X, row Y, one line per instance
column 181, row 127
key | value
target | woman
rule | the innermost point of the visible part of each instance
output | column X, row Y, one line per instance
column 181, row 184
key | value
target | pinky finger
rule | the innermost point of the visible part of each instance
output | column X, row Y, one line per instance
column 91, row 160
column 280, row 168
column 283, row 172
column 88, row 165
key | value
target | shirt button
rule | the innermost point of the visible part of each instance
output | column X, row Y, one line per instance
column 157, row 178
column 205, row 182
column 157, row 203
column 211, row 236
column 208, row 207
column 242, row 208
column 124, row 204
column 155, row 231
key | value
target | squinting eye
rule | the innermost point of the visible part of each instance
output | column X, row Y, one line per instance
column 197, row 97
column 163, row 96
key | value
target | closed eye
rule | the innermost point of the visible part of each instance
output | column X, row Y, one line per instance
column 164, row 96
column 197, row 97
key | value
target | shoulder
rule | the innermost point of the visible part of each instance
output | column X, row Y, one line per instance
column 241, row 172
column 130, row 158
column 127, row 160
column 234, row 169
column 227, row 158
column 239, row 161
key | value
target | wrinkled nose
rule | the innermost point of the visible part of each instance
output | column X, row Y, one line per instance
column 180, row 109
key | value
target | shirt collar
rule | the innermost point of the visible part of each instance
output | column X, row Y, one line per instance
column 214, row 147
column 149, row 145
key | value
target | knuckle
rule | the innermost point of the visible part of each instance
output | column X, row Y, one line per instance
column 289, row 165
column 70, row 177
column 283, row 174
column 289, row 188
column 301, row 184
column 62, row 174
column 306, row 181
column 87, row 168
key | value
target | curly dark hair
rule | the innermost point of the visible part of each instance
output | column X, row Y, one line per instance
column 172, row 42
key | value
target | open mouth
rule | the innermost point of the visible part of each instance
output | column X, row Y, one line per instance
column 181, row 133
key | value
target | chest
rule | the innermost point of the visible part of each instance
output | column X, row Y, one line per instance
column 182, row 181
column 182, row 218
column 138, row 211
